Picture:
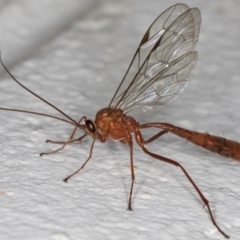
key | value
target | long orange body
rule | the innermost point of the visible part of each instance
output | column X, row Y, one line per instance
column 118, row 125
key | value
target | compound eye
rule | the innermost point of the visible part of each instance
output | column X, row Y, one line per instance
column 90, row 126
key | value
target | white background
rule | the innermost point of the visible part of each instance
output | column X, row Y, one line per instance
column 74, row 54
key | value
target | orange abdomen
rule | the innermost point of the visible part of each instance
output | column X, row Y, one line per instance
column 220, row 145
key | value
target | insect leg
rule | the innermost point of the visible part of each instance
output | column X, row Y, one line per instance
column 130, row 144
column 73, row 140
column 155, row 136
column 70, row 139
column 90, row 155
column 140, row 142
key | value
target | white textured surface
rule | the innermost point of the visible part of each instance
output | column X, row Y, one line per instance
column 78, row 68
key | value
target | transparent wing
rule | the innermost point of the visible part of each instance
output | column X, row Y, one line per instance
column 163, row 63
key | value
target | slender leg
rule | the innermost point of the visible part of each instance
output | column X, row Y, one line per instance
column 140, row 141
column 67, row 142
column 132, row 177
column 90, row 155
column 71, row 141
column 128, row 140
column 155, row 136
